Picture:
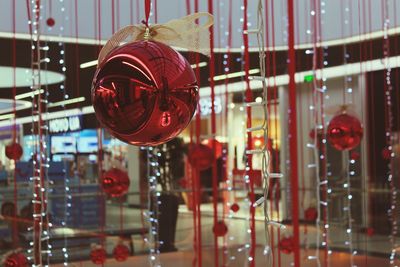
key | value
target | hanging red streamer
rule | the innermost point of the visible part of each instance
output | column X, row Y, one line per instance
column 147, row 7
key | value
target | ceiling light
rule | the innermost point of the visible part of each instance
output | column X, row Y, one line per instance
column 94, row 63
column 235, row 74
column 66, row 102
column 6, row 116
column 29, row 94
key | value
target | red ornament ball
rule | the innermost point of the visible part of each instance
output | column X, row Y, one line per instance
column 121, row 252
column 145, row 93
column 235, row 207
column 311, row 214
column 354, row 155
column 286, row 245
column 16, row 259
column 98, row 256
column 370, row 231
column 218, row 147
column 50, row 22
column 14, row 151
column 386, row 153
column 201, row 156
column 220, row 229
column 344, row 132
column 115, row 182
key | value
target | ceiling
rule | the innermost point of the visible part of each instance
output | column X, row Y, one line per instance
column 81, row 21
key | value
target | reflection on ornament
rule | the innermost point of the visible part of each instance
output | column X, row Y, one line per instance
column 344, row 132
column 16, row 259
column 220, row 229
column 200, row 156
column 311, row 214
column 50, row 22
column 235, row 207
column 286, row 245
column 98, row 256
column 115, row 182
column 121, row 252
column 145, row 93
column 14, row 151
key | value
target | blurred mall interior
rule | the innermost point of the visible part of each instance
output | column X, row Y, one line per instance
column 199, row 133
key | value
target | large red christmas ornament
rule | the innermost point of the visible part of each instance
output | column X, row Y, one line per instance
column 201, row 156
column 311, row 214
column 145, row 93
column 344, row 132
column 115, row 182
column 121, row 252
column 235, row 207
column 16, row 259
column 14, row 151
column 220, row 228
column 98, row 256
column 286, row 245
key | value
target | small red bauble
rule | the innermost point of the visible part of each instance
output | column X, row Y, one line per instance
column 98, row 256
column 354, row 155
column 386, row 153
column 121, row 252
column 16, row 259
column 14, row 151
column 286, row 245
column 201, row 156
column 311, row 214
column 220, row 229
column 218, row 147
column 145, row 93
column 50, row 22
column 370, row 231
column 235, row 207
column 115, row 182
column 344, row 132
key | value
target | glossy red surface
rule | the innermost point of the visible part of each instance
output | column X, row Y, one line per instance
column 310, row 214
column 344, row 132
column 98, row 256
column 145, row 93
column 115, row 182
column 121, row 252
column 286, row 245
column 220, row 229
column 200, row 156
column 14, row 151
column 16, row 260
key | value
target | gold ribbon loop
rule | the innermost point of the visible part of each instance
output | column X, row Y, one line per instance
column 183, row 33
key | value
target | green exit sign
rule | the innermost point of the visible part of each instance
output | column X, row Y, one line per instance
column 308, row 78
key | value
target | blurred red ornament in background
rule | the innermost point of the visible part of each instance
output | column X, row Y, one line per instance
column 235, row 207
column 286, row 245
column 386, row 153
column 98, row 256
column 370, row 231
column 218, row 147
column 16, row 259
column 311, row 214
column 50, row 22
column 220, row 229
column 121, row 252
column 115, row 182
column 344, row 132
column 200, row 156
column 354, row 155
column 14, row 151
column 145, row 93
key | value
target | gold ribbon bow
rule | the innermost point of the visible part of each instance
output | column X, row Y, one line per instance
column 183, row 33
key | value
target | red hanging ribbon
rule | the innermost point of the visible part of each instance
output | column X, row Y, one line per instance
column 147, row 7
